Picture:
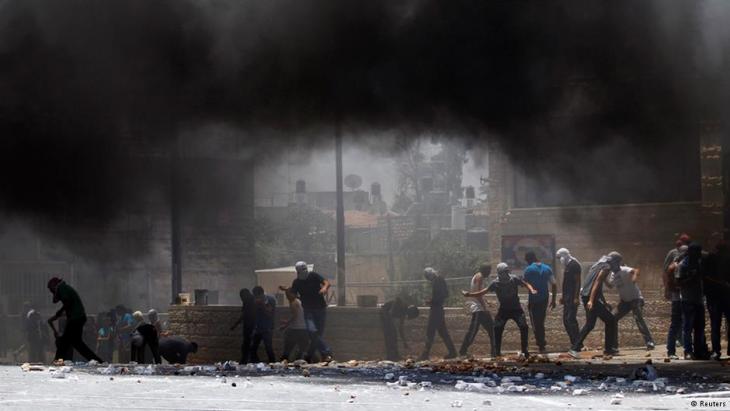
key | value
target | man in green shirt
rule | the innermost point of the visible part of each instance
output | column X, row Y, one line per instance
column 75, row 320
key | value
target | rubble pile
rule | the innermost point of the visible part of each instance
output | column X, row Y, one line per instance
column 469, row 375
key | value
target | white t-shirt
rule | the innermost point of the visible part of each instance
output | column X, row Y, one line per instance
column 296, row 308
column 627, row 289
column 475, row 304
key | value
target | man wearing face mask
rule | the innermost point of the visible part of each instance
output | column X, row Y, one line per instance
column 506, row 287
column 595, row 304
column 436, row 319
column 571, row 293
column 311, row 288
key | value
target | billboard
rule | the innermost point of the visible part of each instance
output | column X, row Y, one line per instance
column 514, row 248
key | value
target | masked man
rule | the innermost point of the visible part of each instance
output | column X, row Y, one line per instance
column 595, row 304
column 571, row 293
column 311, row 289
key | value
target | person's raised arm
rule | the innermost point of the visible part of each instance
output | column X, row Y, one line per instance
column 325, row 287
column 475, row 293
column 528, row 286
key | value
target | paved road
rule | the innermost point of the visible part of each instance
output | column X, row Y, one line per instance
column 39, row 390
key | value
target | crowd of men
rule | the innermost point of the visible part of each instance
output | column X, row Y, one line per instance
column 695, row 281
column 118, row 334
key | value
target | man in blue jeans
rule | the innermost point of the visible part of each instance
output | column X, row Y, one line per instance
column 689, row 278
column 540, row 276
column 311, row 288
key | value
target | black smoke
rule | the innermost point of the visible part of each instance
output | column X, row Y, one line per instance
column 89, row 88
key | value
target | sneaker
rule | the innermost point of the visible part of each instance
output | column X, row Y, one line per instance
column 523, row 356
column 611, row 352
column 575, row 354
column 715, row 356
column 672, row 357
column 650, row 346
column 689, row 356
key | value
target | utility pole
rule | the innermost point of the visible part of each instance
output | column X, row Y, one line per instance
column 341, row 299
column 391, row 265
column 175, row 224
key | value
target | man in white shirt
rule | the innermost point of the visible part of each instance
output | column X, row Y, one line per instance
column 295, row 334
column 477, row 307
column 631, row 300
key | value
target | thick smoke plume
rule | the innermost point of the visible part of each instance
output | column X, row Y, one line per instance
column 88, row 86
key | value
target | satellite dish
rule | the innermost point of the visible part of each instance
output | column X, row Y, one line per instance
column 353, row 181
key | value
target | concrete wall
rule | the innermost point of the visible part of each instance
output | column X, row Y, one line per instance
column 355, row 333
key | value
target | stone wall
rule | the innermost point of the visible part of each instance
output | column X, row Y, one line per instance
column 355, row 333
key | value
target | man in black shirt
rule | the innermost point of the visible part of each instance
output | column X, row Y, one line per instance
column 389, row 312
column 717, row 288
column 571, row 293
column 591, row 294
column 311, row 288
column 436, row 319
column 506, row 287
column 248, row 318
column 176, row 349
column 145, row 335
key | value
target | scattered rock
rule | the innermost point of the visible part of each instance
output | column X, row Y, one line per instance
column 233, row 384
column 457, row 404
column 581, row 391
column 571, row 378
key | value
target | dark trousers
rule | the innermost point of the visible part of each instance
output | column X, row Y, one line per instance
column 518, row 316
column 72, row 339
column 538, row 313
column 637, row 308
column 570, row 320
column 265, row 336
column 390, row 337
column 139, row 345
column 600, row 310
column 246, row 344
column 36, row 352
column 718, row 308
column 437, row 323
column 675, row 328
column 693, row 327
column 298, row 339
column 483, row 319
column 316, row 319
